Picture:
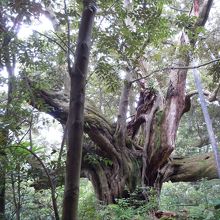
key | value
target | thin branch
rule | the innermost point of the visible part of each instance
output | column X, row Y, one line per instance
column 153, row 72
column 106, row 12
column 66, row 44
column 51, row 39
column 195, row 92
column 55, row 208
column 202, row 142
column 196, row 66
column 178, row 9
column 213, row 96
column 62, row 147
column 177, row 68
column 25, row 134
column 68, row 36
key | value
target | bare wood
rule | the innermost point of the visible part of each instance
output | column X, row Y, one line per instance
column 181, row 169
column 194, row 168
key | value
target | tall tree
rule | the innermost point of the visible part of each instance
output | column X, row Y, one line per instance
column 12, row 15
column 9, row 61
column 75, row 120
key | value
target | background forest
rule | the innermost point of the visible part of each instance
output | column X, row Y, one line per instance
column 146, row 150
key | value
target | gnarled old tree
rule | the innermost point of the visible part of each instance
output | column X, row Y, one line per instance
column 139, row 150
column 131, row 152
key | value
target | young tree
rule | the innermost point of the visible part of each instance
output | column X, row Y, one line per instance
column 8, row 60
column 75, row 120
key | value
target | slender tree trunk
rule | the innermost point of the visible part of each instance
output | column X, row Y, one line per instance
column 19, row 193
column 2, row 189
column 16, row 201
column 76, row 113
column 10, row 66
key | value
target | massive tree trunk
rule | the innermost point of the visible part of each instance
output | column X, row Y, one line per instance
column 101, row 160
column 161, row 124
column 106, row 162
column 117, row 160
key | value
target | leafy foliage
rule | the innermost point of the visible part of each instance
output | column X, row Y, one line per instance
column 192, row 200
column 214, row 70
column 130, row 208
column 124, row 36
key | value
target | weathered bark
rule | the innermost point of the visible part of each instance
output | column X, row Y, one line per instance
column 109, row 179
column 193, row 168
column 102, row 173
column 161, row 127
column 102, row 168
column 76, row 113
column 112, row 145
column 180, row 169
column 105, row 173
